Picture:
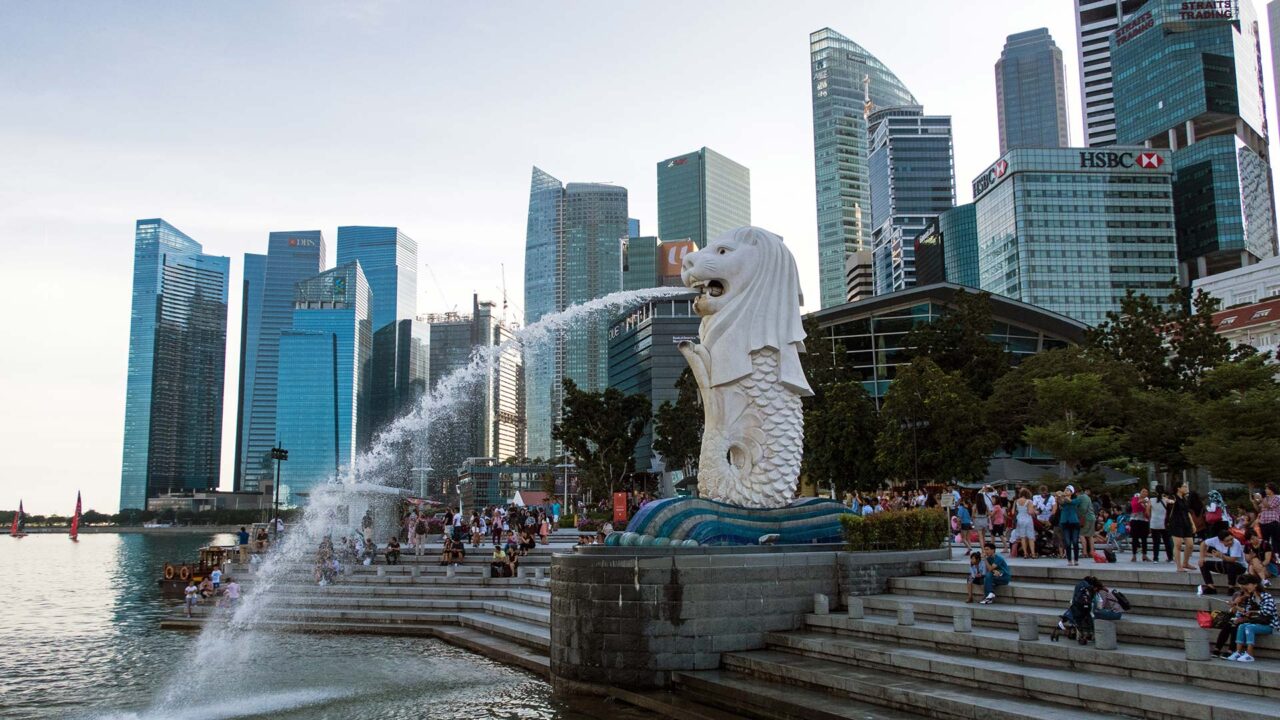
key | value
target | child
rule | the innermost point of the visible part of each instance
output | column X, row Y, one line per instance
column 191, row 595
column 997, row 521
column 977, row 571
column 966, row 524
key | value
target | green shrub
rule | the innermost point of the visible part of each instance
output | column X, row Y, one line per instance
column 895, row 530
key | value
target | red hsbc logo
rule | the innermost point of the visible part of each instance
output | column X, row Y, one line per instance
column 293, row 242
column 1149, row 160
column 1001, row 167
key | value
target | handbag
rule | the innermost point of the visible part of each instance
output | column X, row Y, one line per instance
column 1215, row 619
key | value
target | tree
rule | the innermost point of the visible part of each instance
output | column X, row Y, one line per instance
column 960, row 342
column 677, row 428
column 1074, row 414
column 839, row 438
column 1196, row 345
column 1138, row 335
column 1241, row 420
column 601, row 429
column 1158, row 423
column 930, row 427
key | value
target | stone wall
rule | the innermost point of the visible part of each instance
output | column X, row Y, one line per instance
column 628, row 617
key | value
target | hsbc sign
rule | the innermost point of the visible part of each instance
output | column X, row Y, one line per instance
column 1109, row 159
column 989, row 178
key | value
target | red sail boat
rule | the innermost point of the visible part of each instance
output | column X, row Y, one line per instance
column 15, row 530
column 75, row 519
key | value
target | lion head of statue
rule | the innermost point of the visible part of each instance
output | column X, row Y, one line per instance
column 749, row 298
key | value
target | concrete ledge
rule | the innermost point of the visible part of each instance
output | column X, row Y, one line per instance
column 628, row 617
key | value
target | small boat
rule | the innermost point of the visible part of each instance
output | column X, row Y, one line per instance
column 15, row 530
column 75, row 520
column 153, row 525
column 173, row 583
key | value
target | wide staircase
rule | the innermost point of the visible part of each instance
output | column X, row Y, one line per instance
column 508, row 619
column 837, row 666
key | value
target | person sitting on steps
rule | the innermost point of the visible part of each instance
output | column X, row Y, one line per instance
column 1256, row 616
column 977, row 575
column 1220, row 554
column 997, row 572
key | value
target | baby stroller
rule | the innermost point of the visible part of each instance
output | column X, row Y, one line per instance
column 1077, row 621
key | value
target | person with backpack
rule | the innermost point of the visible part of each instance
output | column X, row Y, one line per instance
column 1077, row 621
column 1109, row 604
column 419, row 539
column 1140, row 525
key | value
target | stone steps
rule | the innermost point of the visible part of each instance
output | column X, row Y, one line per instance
column 524, row 633
column 1021, row 591
column 1140, row 662
column 518, row 611
column 893, row 689
column 1150, row 576
column 1142, row 698
column 746, row 695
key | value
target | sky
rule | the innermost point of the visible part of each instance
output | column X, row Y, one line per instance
column 234, row 119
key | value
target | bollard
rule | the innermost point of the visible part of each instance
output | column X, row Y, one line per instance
column 856, row 610
column 906, row 614
column 962, row 620
column 821, row 605
column 382, row 571
column 539, row 573
column 450, row 571
column 1104, row 635
column 414, row 571
column 1027, row 627
column 1196, row 643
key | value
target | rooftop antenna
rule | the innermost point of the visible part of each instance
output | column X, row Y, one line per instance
column 503, row 266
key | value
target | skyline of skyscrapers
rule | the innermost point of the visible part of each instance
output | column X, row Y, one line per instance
column 1031, row 93
column 1096, row 22
column 177, row 345
column 848, row 84
column 267, row 310
column 573, row 253
column 911, row 170
column 701, row 195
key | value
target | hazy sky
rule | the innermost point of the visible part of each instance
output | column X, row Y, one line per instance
column 233, row 119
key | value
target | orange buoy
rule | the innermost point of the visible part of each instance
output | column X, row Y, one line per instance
column 168, row 571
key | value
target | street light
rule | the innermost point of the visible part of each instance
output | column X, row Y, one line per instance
column 278, row 454
column 422, row 480
column 566, row 466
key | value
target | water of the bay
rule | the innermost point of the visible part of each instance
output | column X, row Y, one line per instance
column 80, row 638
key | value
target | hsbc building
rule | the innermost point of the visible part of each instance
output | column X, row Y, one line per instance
column 1072, row 229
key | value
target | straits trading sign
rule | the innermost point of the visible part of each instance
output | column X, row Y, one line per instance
column 1135, row 27
column 1209, row 10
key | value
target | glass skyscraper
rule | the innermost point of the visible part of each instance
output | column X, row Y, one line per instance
column 1031, row 93
column 324, row 379
column 848, row 83
column 573, row 253
column 912, row 178
column 389, row 259
column 1191, row 82
column 269, row 282
column 952, row 238
column 1072, row 229
column 177, row 350
column 702, row 195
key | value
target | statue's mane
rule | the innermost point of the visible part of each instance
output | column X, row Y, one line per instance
column 764, row 313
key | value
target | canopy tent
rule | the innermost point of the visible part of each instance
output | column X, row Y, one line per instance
column 1008, row 471
column 529, row 498
column 1112, row 476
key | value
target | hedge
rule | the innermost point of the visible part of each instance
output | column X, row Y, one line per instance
column 895, row 530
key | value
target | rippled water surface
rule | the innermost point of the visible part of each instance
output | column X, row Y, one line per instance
column 79, row 623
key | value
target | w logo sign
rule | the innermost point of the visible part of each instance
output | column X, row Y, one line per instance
column 1149, row 160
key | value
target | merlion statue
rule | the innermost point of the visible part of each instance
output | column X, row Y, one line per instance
column 748, row 368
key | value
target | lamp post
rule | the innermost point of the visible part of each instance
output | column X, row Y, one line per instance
column 566, row 466
column 422, row 480
column 278, row 454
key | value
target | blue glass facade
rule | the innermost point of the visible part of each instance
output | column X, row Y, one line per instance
column 912, row 176
column 324, row 388
column 292, row 256
column 643, row 359
column 952, row 237
column 573, row 253
column 1191, row 82
column 1031, row 94
column 1072, row 229
column 389, row 259
column 177, row 349
column 841, row 102
column 702, row 195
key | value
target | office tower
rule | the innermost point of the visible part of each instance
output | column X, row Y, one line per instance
column 389, row 259
column 1096, row 22
column 1273, row 26
column 269, row 282
column 701, row 195
column 859, row 275
column 912, row 178
column 177, row 349
column 399, row 371
column 1031, row 92
column 1191, row 82
column 952, row 240
column 573, row 253
column 644, row 359
column 633, row 227
column 323, row 396
column 1053, row 230
column 489, row 420
column 255, row 276
column 848, row 85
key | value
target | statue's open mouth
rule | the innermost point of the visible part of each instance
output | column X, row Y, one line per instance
column 714, row 288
